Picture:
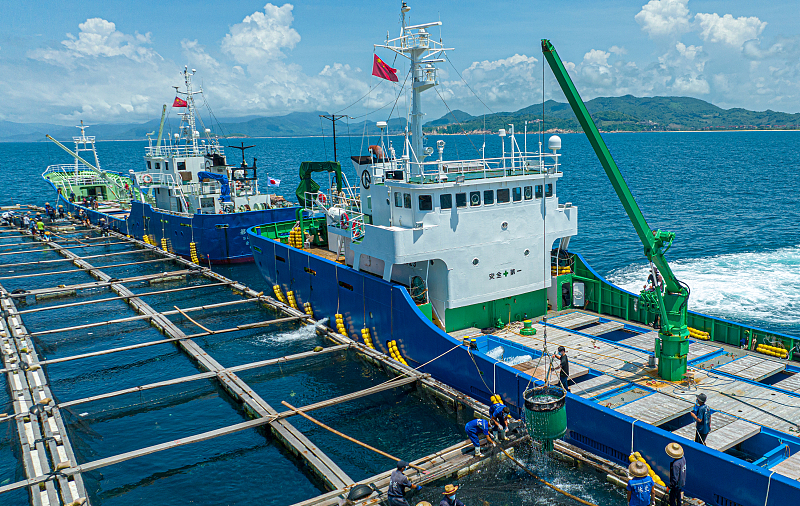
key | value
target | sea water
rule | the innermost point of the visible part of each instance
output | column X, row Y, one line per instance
column 729, row 197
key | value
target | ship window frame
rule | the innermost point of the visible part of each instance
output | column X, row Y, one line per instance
column 149, row 165
column 527, row 192
column 398, row 199
column 516, row 194
column 158, row 166
column 548, row 190
column 507, row 195
column 461, row 200
column 428, row 202
column 182, row 166
column 472, row 194
column 446, row 198
column 488, row 201
column 539, row 191
column 166, row 165
column 406, row 200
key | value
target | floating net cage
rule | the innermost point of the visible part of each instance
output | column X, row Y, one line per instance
column 546, row 414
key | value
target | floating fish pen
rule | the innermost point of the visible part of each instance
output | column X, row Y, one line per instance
column 131, row 373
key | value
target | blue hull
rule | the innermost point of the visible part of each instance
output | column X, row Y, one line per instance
column 390, row 314
column 219, row 238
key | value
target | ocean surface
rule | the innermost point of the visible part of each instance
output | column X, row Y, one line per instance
column 729, row 197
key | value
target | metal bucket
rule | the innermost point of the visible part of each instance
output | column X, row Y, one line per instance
column 546, row 414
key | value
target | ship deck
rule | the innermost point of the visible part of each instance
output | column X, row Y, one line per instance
column 615, row 371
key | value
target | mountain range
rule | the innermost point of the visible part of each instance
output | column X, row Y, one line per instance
column 626, row 113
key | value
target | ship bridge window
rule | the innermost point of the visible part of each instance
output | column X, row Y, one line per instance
column 407, row 200
column 425, row 203
column 398, row 199
column 445, row 201
column 488, row 197
column 503, row 196
column 548, row 190
column 474, row 199
column 517, row 194
column 158, row 166
column 528, row 192
column 148, row 165
column 181, row 166
column 166, row 165
column 538, row 191
column 461, row 200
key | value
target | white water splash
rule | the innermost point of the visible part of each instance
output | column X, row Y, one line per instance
column 495, row 353
column 301, row 334
column 517, row 360
column 761, row 287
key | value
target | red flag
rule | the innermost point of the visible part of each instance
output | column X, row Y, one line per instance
column 382, row 70
column 179, row 102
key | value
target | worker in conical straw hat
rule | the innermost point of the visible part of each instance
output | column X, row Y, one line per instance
column 677, row 473
column 449, row 494
column 640, row 486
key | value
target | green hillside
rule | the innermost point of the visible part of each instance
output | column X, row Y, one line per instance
column 627, row 113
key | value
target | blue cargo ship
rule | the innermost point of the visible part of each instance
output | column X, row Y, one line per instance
column 463, row 270
column 187, row 199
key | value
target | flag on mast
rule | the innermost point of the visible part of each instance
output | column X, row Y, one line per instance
column 382, row 70
column 179, row 102
column 273, row 183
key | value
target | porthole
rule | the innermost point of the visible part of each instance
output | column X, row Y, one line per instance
column 475, row 261
column 527, row 252
column 504, row 225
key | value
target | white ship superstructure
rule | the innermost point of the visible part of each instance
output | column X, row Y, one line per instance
column 472, row 237
column 186, row 174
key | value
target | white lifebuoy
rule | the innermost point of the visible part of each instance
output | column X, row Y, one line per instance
column 147, row 178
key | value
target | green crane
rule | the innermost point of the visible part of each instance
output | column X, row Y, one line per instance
column 668, row 299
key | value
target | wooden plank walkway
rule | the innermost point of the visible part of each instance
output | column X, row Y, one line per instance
column 726, row 431
column 573, row 320
column 655, row 409
column 752, row 367
column 791, row 383
column 789, row 467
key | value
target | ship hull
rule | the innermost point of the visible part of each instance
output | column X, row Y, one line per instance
column 387, row 310
column 219, row 238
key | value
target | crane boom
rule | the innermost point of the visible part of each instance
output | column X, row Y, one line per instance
column 669, row 300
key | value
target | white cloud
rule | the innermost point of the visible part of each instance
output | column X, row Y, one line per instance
column 729, row 30
column 617, row 50
column 660, row 18
column 99, row 38
column 262, row 36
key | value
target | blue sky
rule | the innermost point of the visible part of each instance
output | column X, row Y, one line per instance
column 113, row 61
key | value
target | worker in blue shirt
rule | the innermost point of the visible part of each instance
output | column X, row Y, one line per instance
column 640, row 486
column 702, row 415
column 499, row 413
column 398, row 483
column 677, row 474
column 475, row 429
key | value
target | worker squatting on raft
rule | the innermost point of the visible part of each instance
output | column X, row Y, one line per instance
column 398, row 483
column 640, row 486
column 702, row 416
column 499, row 414
column 677, row 474
column 474, row 430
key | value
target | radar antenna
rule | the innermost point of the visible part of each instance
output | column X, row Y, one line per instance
column 243, row 147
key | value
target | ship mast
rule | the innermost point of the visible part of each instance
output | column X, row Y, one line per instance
column 415, row 44
column 188, row 123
